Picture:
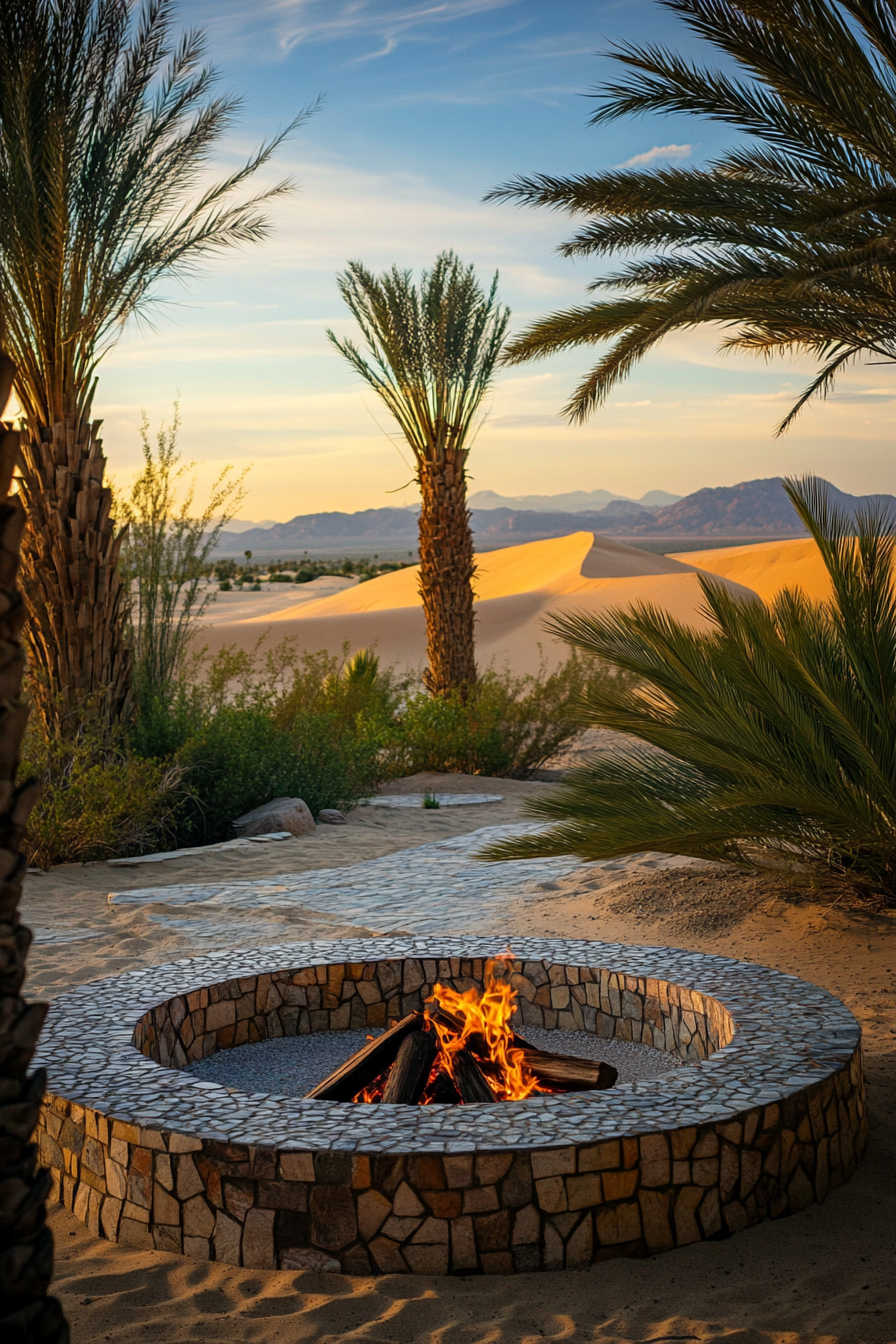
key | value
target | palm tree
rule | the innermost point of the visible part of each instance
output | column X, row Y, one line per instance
column 768, row 740
column 787, row 240
column 432, row 355
column 106, row 127
column 26, row 1243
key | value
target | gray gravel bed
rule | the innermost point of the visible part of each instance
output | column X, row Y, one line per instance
column 289, row 1066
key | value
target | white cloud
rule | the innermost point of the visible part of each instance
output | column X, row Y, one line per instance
column 659, row 153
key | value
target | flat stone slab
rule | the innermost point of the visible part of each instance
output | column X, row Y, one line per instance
column 242, row 843
column 443, row 799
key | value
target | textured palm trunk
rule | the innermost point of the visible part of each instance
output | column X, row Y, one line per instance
column 79, row 664
column 28, row 1316
column 446, row 574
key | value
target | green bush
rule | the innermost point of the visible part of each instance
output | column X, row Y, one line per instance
column 510, row 725
column 98, row 802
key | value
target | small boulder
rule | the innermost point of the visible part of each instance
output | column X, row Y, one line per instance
column 331, row 816
column 281, row 814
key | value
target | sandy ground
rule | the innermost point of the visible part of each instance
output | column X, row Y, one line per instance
column 823, row 1277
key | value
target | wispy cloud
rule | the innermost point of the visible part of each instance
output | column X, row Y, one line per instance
column 659, row 154
column 385, row 23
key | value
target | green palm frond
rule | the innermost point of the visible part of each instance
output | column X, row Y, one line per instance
column 788, row 241
column 769, row 738
column 106, row 129
column 431, row 352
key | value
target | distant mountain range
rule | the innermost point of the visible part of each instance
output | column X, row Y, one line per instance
column 576, row 501
column 752, row 509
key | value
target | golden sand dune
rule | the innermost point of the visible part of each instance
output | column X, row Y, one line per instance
column 767, row 567
column 516, row 588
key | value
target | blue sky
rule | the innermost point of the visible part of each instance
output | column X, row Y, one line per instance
column 425, row 107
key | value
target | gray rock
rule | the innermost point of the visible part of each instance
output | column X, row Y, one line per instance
column 280, row 814
column 331, row 816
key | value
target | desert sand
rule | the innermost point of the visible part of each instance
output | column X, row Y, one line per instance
column 516, row 588
column 823, row 1277
column 767, row 567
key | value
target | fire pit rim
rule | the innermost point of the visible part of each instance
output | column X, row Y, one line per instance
column 789, row 1035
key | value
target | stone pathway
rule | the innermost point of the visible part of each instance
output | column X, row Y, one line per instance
column 440, row 886
column 443, row 799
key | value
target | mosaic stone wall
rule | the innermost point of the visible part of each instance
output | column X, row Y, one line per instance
column 598, row 1175
column 373, row 994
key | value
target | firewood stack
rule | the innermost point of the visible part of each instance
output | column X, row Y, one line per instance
column 396, row 1067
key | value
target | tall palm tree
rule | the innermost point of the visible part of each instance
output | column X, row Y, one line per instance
column 27, row 1314
column 106, row 128
column 432, row 354
column 787, row 240
column 767, row 740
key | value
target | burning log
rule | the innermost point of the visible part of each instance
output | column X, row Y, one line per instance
column 373, row 1059
column 470, row 1079
column 410, row 1072
column 567, row 1073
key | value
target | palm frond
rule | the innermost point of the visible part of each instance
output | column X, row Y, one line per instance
column 767, row 739
column 788, row 241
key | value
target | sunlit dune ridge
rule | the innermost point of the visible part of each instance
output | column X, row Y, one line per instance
column 767, row 567
column 516, row 588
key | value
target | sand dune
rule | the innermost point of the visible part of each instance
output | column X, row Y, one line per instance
column 767, row 567
column 516, row 587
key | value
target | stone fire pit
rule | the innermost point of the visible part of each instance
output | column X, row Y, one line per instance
column 769, row 1115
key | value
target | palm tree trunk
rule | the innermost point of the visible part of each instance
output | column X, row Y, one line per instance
column 446, row 574
column 79, row 664
column 26, row 1243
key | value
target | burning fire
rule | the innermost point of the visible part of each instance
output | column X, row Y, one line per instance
column 478, row 1024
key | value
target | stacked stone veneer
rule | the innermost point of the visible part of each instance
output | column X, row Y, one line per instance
column 769, row 1115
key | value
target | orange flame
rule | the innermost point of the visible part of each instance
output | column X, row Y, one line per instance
column 481, row 1024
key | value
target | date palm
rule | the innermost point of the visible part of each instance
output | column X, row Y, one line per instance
column 768, row 740
column 788, row 240
column 431, row 355
column 26, row 1245
column 106, row 127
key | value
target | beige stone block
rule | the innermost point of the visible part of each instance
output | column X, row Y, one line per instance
column 560, row 996
column 430, row 1259
column 750, row 1171
column 729, row 1170
column 258, row 1239
column 164, row 1174
column 583, row 1191
column 220, row 1015
column 619, row 1184
column 526, row 1226
column 373, row 1210
column 387, row 1255
column 553, row 1248
column 165, row 1209
column 189, row 1182
column 136, row 1236
column 238, row 1199
column 198, row 1219
column 482, row 1200
column 184, row 1143
column 551, row 1194
column 136, row 1213
column 707, row 1146
column 705, row 1171
column 580, row 1246
column 399, row 1229
column 463, row 1245
column 167, row 1238
column 681, row 1173
column 434, row 1231
column 227, row 1239
column 710, row 1214
column 687, row 1201
column 554, row 1162
column 618, row 1225
column 297, row 1166
column 197, row 1248
column 600, row 1156
column 116, row 1181
column 655, row 1220
column 458, row 1170
column 405, row 1203
column 490, row 1167
column 110, row 1216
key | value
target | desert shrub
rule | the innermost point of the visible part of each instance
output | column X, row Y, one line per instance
column 509, row 724
column 771, row 736
column 98, row 801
